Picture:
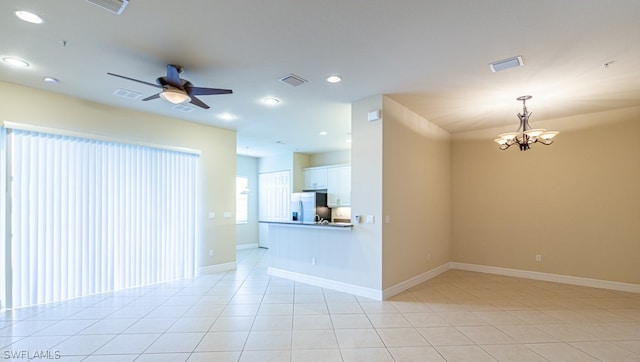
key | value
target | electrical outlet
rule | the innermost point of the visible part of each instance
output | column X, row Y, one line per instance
column 538, row 257
column 210, row 252
column 387, row 219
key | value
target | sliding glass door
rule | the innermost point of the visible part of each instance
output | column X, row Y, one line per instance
column 87, row 216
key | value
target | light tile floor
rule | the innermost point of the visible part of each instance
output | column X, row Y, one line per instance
column 246, row 315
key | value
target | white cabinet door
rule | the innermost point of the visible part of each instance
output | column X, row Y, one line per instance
column 339, row 186
column 345, row 186
column 315, row 178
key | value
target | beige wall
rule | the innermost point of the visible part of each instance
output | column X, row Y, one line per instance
column 416, row 195
column 576, row 202
column 330, row 158
column 217, row 146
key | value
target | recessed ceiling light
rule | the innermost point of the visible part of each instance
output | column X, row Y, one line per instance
column 50, row 80
column 15, row 62
column 271, row 101
column 29, row 17
column 334, row 79
column 323, row 133
column 227, row 116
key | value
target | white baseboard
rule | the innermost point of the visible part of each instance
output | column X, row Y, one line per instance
column 327, row 283
column 558, row 278
column 412, row 282
column 246, row 246
column 210, row 269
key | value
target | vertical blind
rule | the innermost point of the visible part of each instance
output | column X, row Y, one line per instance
column 90, row 216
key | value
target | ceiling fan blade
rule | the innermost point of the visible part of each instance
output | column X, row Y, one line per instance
column 135, row 80
column 152, row 97
column 199, row 91
column 173, row 77
column 199, row 103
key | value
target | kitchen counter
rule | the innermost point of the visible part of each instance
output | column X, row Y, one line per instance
column 342, row 225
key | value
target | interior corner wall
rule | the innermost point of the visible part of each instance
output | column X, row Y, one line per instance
column 248, row 233
column 217, row 146
column 416, row 195
column 576, row 202
column 366, row 190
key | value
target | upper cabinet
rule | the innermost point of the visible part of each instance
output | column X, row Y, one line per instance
column 315, row 178
column 339, row 186
column 335, row 179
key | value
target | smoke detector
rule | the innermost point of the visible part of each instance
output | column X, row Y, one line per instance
column 114, row 6
column 293, row 80
column 506, row 64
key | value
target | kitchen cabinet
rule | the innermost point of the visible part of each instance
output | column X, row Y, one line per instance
column 315, row 178
column 339, row 186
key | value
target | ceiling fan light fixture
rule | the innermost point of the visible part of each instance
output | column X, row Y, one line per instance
column 175, row 96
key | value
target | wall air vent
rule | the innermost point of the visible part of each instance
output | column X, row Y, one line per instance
column 183, row 108
column 126, row 94
column 114, row 6
column 506, row 64
column 293, row 80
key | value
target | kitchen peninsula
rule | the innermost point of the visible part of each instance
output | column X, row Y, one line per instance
column 318, row 254
column 344, row 225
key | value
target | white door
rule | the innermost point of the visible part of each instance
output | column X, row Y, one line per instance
column 274, row 192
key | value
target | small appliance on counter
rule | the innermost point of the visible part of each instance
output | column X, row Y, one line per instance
column 309, row 207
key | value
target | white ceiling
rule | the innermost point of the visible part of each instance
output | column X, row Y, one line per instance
column 432, row 56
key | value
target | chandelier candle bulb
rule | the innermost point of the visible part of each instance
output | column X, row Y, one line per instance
column 525, row 135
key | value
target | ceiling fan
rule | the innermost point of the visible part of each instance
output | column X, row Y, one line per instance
column 177, row 90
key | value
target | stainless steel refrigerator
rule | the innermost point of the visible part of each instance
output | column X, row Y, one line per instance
column 309, row 207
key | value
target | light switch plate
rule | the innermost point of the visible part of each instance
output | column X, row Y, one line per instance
column 370, row 219
column 212, row 215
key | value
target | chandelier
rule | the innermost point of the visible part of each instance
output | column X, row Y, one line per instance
column 525, row 135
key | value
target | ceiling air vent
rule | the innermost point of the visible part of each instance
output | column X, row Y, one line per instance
column 183, row 108
column 293, row 80
column 126, row 94
column 114, row 6
column 506, row 64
